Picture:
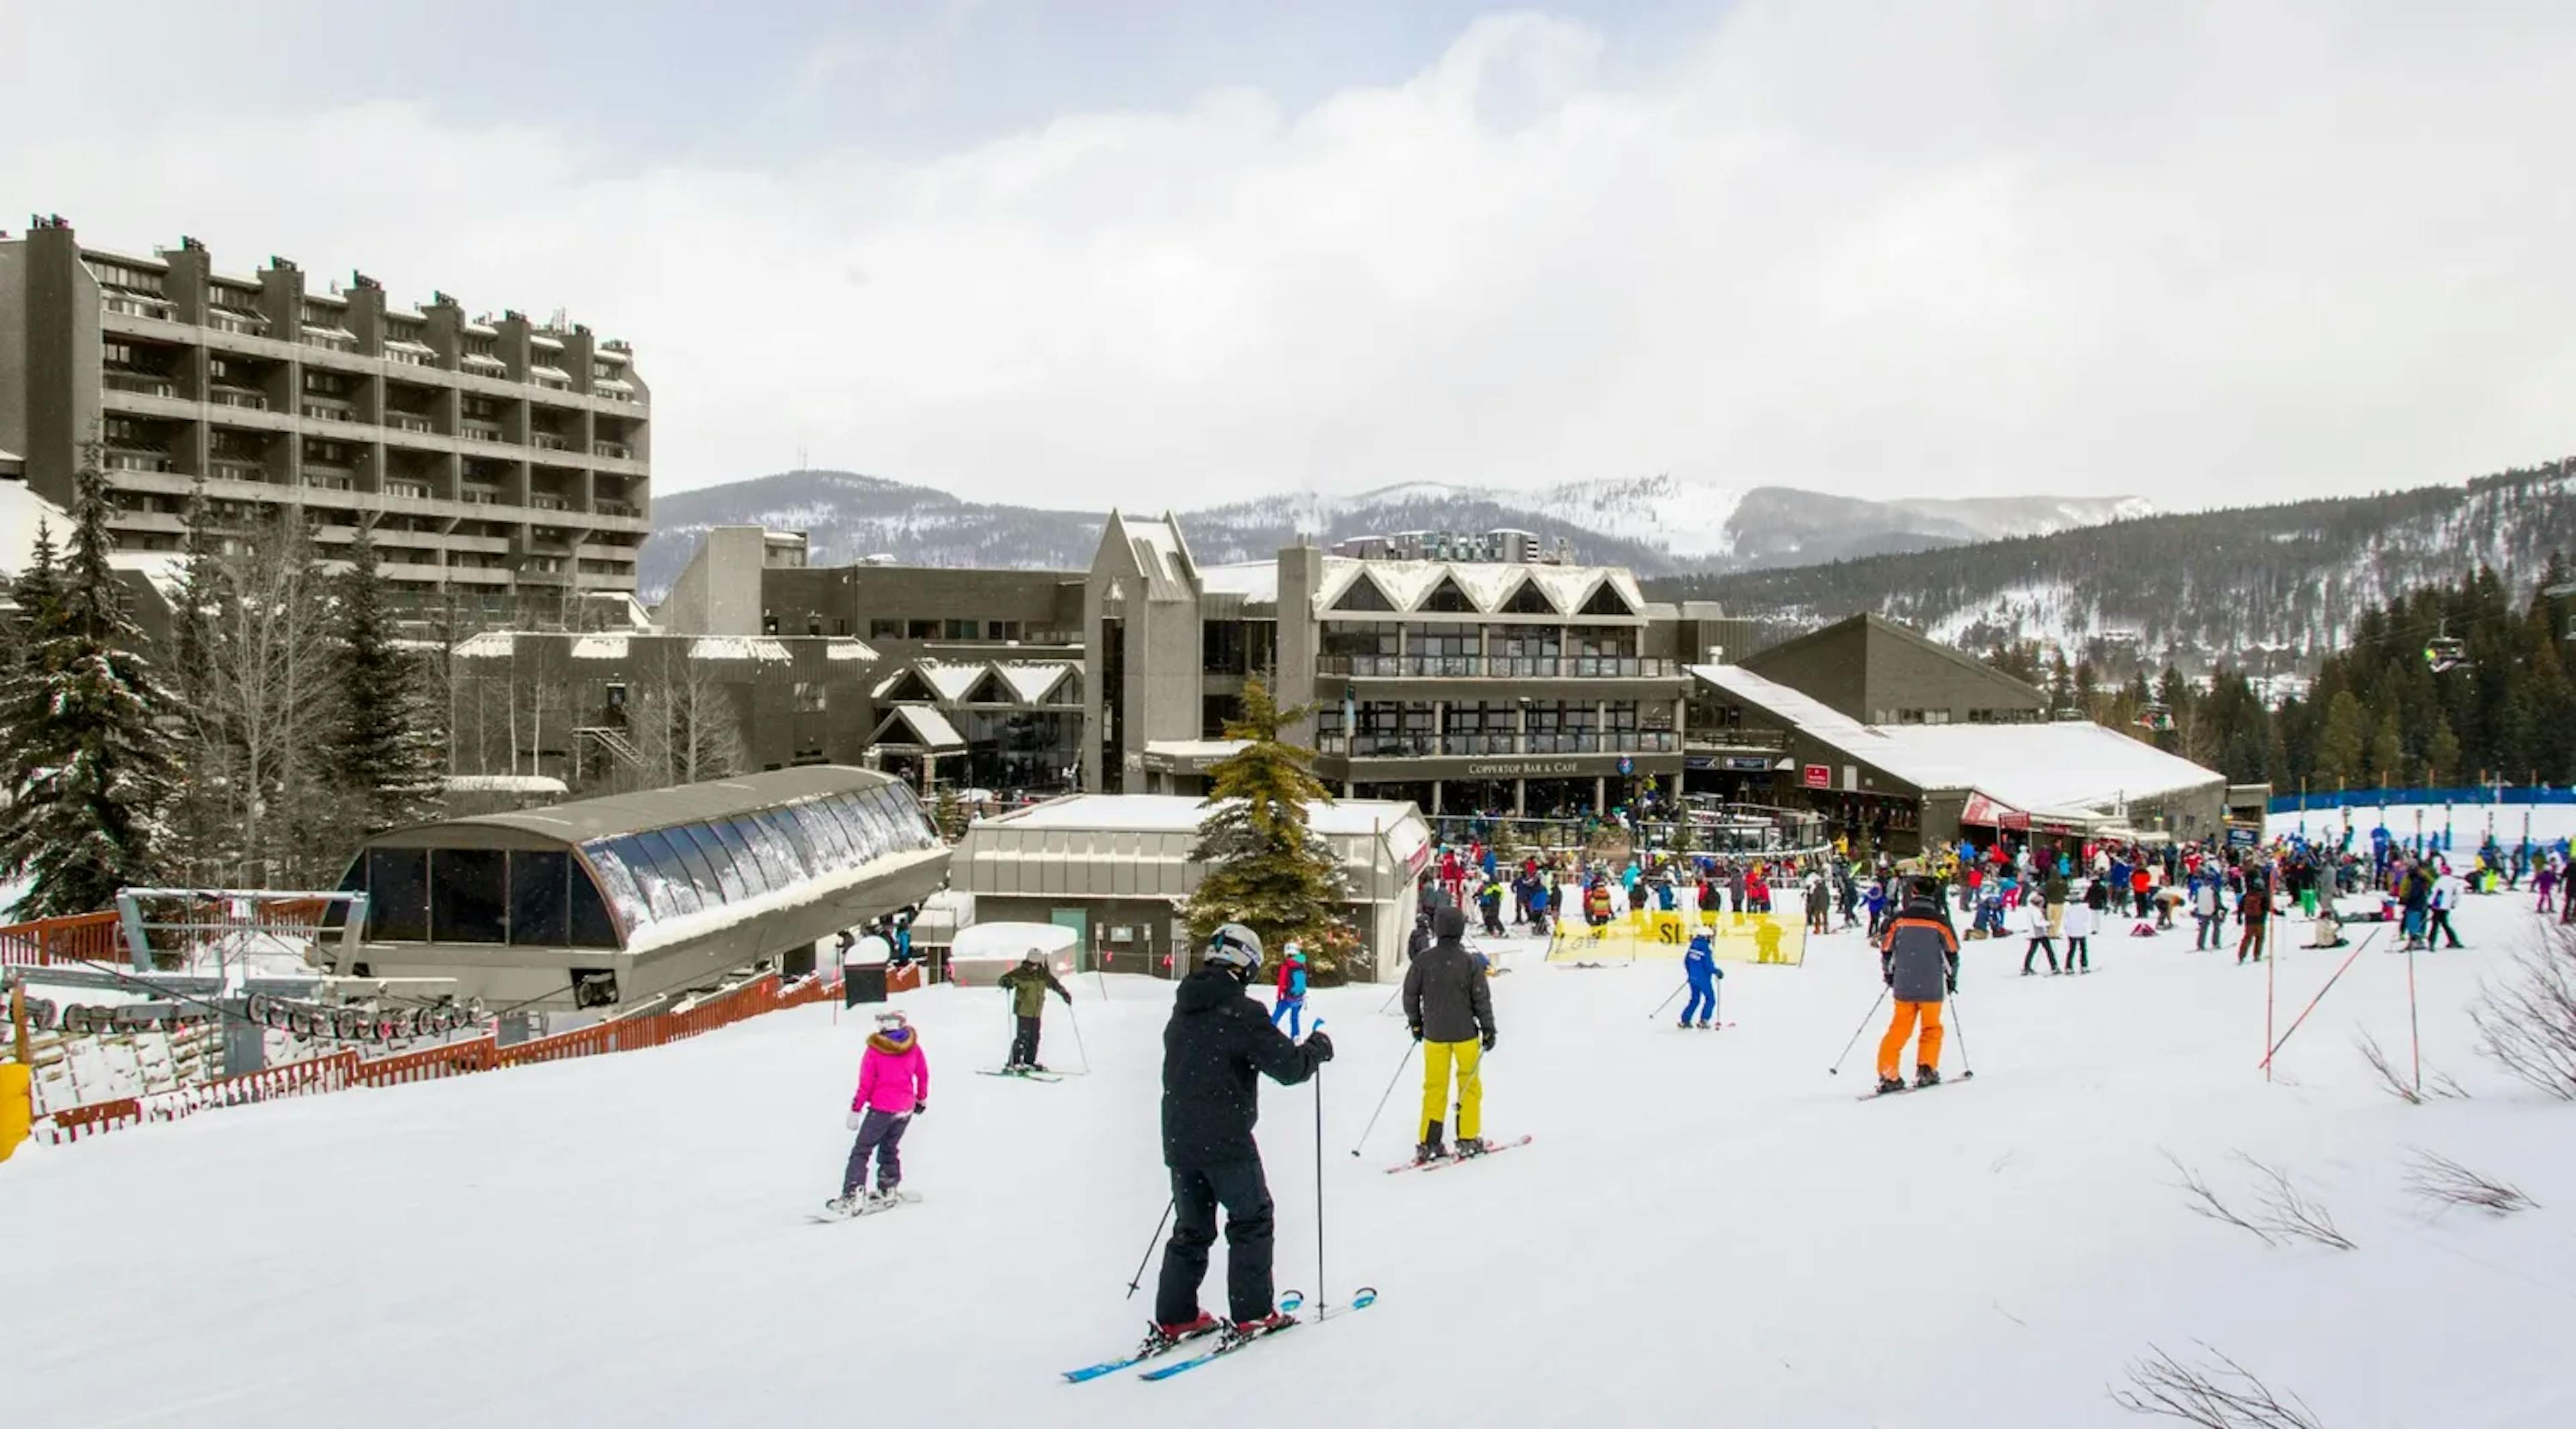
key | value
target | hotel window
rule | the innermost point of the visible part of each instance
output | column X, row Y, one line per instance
column 1359, row 637
column 885, row 630
column 960, row 630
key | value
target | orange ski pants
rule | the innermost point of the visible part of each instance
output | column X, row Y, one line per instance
column 1891, row 1048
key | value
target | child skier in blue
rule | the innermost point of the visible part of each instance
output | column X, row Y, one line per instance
column 1700, row 966
column 1291, row 1003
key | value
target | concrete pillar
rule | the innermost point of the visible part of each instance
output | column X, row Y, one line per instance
column 1436, row 785
column 1600, row 794
column 1520, row 798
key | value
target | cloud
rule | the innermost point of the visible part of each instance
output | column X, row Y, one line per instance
column 2200, row 252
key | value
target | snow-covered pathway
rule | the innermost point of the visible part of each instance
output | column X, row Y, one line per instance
column 1707, row 1226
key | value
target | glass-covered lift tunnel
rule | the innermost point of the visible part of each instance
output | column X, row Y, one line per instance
column 616, row 900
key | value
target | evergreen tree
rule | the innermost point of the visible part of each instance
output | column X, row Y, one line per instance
column 204, row 839
column 2339, row 748
column 89, row 782
column 384, row 749
column 950, row 814
column 1266, row 868
column 2388, row 751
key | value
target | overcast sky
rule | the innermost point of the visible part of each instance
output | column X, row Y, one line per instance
column 1164, row 252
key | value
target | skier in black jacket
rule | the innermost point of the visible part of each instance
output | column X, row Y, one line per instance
column 1216, row 1048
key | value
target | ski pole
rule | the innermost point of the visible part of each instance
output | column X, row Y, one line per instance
column 1967, row 1064
column 1383, row 1097
column 1390, row 998
column 1139, row 1277
column 1667, row 1002
column 1077, row 1034
column 1319, row 1173
column 1866, row 1019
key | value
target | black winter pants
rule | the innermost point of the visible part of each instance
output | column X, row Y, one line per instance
column 2037, row 947
column 2441, row 927
column 1197, row 1191
column 1024, row 1043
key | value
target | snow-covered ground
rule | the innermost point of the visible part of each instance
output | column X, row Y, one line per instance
column 1707, row 1228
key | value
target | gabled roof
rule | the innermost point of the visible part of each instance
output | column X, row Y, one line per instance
column 1033, row 680
column 1489, row 585
column 919, row 726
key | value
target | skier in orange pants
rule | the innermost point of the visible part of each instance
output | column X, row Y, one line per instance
column 1919, row 957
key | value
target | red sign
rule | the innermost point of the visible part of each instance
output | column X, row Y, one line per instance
column 1820, row 776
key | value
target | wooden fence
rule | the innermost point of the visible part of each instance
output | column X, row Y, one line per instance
column 46, row 942
column 344, row 1069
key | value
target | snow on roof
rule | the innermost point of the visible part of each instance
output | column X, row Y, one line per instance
column 951, row 678
column 502, row 784
column 490, row 645
column 1034, row 680
column 2036, row 768
column 1180, row 813
column 1488, row 584
column 21, row 509
column 930, row 729
column 600, row 647
column 1253, row 580
column 737, row 647
column 841, row 647
column 166, row 571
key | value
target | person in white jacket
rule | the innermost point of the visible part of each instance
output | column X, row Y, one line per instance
column 2079, row 932
column 2034, row 920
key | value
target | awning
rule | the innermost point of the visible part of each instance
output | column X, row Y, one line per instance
column 1988, row 813
column 917, row 727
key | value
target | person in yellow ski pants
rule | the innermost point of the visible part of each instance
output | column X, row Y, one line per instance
column 1450, row 1009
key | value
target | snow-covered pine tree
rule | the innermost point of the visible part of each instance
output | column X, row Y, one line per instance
column 89, row 780
column 384, row 749
column 1266, row 867
column 203, row 844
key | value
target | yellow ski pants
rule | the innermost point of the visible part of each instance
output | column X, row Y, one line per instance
column 1437, row 1059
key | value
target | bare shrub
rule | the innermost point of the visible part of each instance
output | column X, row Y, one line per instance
column 2221, row 1395
column 2205, row 1203
column 2529, row 1023
column 2395, row 1085
column 2283, row 1213
column 2446, row 1183
column 2290, row 1213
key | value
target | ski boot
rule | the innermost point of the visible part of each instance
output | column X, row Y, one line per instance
column 1927, row 1076
column 1429, row 1150
column 1706, row 1025
column 1242, row 1330
column 848, row 1203
column 1159, row 1337
column 1469, row 1146
column 1890, row 1084
column 880, row 1198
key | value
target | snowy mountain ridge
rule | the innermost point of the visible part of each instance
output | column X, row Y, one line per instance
column 1654, row 524
column 2271, row 588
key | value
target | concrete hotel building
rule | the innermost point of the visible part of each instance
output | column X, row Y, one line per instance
column 505, row 459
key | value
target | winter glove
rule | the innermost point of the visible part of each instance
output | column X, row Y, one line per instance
column 1415, row 1028
column 1488, row 1040
column 854, row 1120
column 1068, row 997
column 1951, row 982
column 1320, row 1045
column 919, row 1107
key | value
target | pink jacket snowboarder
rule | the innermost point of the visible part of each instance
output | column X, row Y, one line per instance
column 894, row 1075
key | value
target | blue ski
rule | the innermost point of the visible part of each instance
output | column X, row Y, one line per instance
column 1360, row 1300
column 1288, row 1303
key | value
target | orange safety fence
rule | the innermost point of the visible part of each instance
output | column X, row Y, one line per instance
column 344, row 1069
column 82, row 937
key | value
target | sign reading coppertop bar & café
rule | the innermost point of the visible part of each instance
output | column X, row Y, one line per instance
column 1536, row 766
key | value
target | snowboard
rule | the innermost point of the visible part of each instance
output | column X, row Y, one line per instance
column 828, row 1216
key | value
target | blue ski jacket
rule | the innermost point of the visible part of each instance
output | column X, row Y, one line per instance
column 1700, row 963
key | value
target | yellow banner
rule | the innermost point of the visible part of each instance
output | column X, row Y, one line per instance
column 1736, row 937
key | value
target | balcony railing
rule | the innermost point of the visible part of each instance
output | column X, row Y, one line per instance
column 133, row 306
column 1714, row 737
column 1500, row 667
column 323, row 412
column 405, row 422
column 540, row 501
column 137, row 461
column 548, row 441
column 227, row 397
column 1425, row 746
column 145, row 383
column 483, row 432
column 329, row 480
column 480, row 495
column 230, row 320
column 620, row 450
column 416, row 490
column 606, row 507
column 236, row 470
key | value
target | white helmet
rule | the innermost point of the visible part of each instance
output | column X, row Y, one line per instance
column 891, row 1018
column 1237, row 947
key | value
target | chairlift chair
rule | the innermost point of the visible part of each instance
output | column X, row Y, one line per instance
column 2445, row 651
column 2155, row 715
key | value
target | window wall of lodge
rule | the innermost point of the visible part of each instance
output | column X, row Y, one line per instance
column 1417, row 728
column 1238, row 647
column 522, row 897
column 1036, row 750
column 1445, row 649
